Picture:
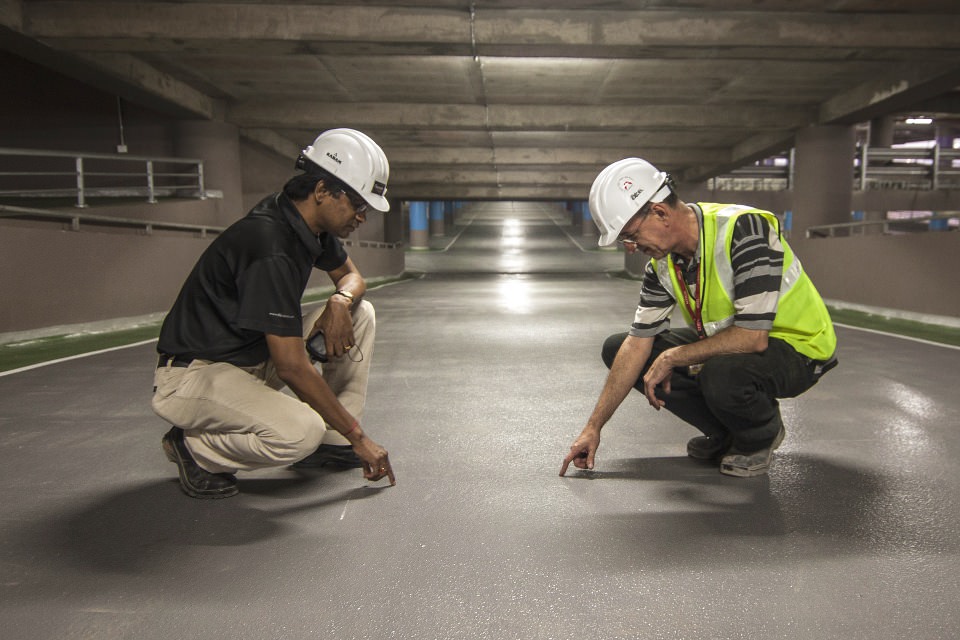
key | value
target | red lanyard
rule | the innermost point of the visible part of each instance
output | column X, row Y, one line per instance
column 695, row 312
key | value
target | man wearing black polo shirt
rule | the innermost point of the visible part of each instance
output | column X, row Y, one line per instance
column 235, row 335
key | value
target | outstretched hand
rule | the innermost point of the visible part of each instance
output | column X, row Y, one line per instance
column 583, row 450
column 376, row 461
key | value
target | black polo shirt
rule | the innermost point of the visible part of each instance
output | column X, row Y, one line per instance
column 248, row 283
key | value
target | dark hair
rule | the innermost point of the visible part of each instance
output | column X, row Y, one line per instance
column 300, row 187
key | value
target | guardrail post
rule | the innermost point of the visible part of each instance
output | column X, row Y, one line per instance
column 200, row 185
column 151, row 196
column 791, row 165
column 935, row 177
column 81, row 196
column 864, row 159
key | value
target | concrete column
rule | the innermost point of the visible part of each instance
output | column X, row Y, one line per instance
column 393, row 223
column 823, row 187
column 881, row 131
column 436, row 218
column 218, row 145
column 589, row 229
column 448, row 214
column 419, row 226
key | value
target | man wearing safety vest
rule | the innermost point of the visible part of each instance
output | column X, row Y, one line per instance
column 757, row 328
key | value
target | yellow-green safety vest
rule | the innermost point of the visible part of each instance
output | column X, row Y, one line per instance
column 802, row 318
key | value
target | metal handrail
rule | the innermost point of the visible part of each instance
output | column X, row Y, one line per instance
column 81, row 172
column 917, row 167
column 371, row 244
column 75, row 219
column 830, row 230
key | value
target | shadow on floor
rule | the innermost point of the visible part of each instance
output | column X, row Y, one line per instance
column 142, row 527
column 808, row 508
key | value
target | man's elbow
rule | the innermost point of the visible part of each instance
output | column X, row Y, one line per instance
column 292, row 371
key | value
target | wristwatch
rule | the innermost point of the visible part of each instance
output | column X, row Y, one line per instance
column 346, row 294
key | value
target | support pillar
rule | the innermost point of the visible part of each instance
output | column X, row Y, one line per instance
column 448, row 214
column 393, row 223
column 436, row 218
column 823, row 188
column 419, row 226
column 881, row 131
column 588, row 228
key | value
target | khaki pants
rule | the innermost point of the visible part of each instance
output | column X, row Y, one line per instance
column 238, row 419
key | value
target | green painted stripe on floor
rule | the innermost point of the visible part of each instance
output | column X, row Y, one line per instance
column 15, row 355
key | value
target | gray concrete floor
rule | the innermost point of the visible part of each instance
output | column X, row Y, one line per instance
column 485, row 369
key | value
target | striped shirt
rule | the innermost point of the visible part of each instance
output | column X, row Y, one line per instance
column 757, row 258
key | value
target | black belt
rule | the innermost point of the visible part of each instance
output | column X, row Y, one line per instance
column 173, row 361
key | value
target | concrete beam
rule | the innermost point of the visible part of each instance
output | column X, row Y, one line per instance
column 306, row 113
column 272, row 141
column 488, row 192
column 137, row 73
column 520, row 156
column 239, row 22
column 127, row 83
column 754, row 148
column 715, row 28
column 902, row 88
column 661, row 28
column 513, row 175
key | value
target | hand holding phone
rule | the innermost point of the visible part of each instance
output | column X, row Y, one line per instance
column 317, row 347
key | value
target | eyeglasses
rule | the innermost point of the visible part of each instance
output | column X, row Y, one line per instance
column 359, row 205
column 627, row 239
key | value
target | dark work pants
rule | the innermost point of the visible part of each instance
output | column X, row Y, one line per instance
column 733, row 395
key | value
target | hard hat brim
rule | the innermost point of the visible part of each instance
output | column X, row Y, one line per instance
column 377, row 202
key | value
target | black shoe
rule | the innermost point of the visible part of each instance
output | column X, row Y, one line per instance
column 708, row 447
column 341, row 456
column 196, row 482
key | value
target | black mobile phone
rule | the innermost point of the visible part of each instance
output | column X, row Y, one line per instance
column 317, row 347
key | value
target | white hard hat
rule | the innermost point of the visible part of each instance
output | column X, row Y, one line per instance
column 620, row 191
column 354, row 159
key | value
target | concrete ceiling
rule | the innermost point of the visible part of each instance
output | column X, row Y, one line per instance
column 513, row 99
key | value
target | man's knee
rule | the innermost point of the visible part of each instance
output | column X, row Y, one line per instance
column 364, row 312
column 610, row 348
column 298, row 439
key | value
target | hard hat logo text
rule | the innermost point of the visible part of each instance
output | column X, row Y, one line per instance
column 334, row 157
